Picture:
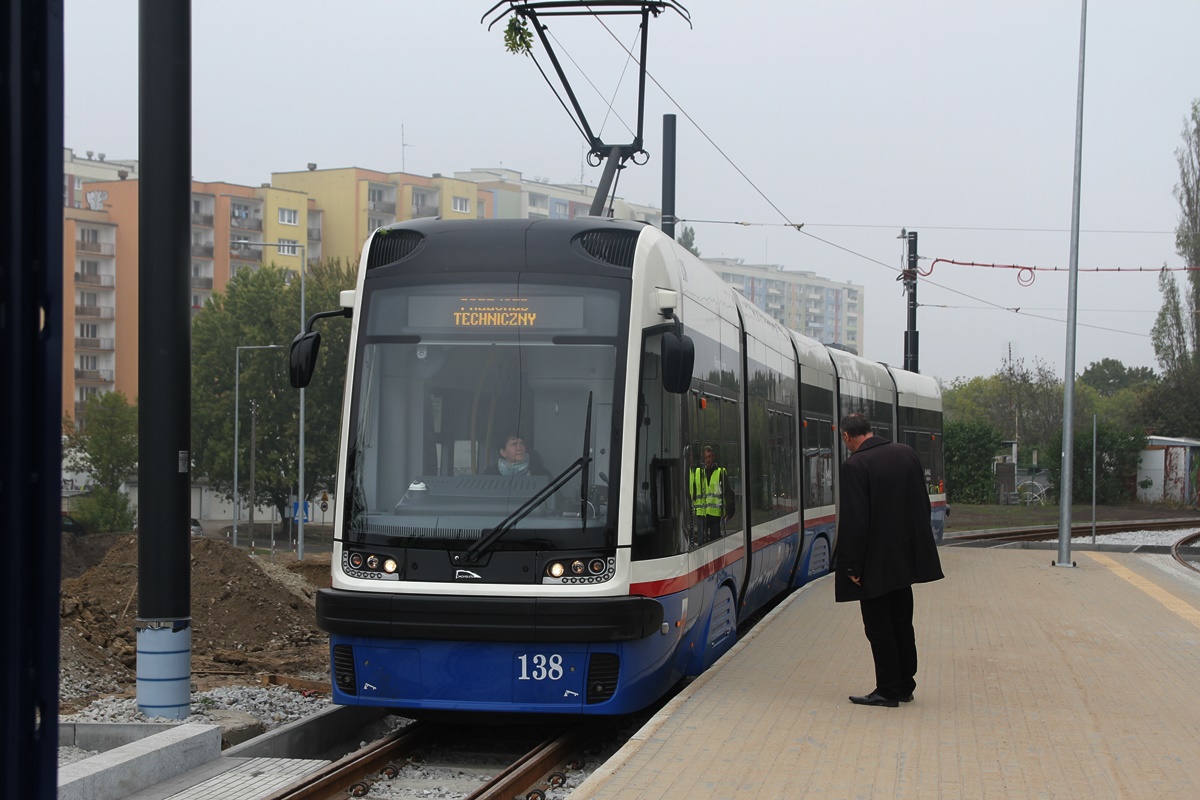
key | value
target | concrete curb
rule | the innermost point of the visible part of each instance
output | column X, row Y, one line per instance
column 134, row 758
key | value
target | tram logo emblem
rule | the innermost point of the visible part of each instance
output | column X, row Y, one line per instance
column 466, row 573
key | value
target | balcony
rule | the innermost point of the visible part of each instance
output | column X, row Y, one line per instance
column 203, row 220
column 202, row 250
column 79, row 407
column 94, row 312
column 91, row 343
column 314, row 234
column 245, row 253
column 382, row 206
column 92, row 279
column 94, row 375
column 103, row 248
column 246, row 223
column 201, row 282
column 424, row 210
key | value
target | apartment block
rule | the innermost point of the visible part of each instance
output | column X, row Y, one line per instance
column 817, row 307
column 234, row 227
column 356, row 201
column 516, row 197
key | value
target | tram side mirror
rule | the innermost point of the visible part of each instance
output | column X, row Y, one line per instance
column 302, row 359
column 678, row 359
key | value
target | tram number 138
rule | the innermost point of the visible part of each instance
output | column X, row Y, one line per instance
column 540, row 667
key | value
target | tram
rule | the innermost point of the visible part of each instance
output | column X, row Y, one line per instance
column 582, row 582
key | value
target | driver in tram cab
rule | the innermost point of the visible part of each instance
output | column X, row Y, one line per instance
column 515, row 459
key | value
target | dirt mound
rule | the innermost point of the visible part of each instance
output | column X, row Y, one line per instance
column 249, row 616
column 81, row 553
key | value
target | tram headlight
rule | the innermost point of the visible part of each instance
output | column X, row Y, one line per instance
column 577, row 567
column 556, row 570
column 373, row 562
column 596, row 566
column 389, row 566
column 356, row 560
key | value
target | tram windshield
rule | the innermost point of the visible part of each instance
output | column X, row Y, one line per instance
column 470, row 400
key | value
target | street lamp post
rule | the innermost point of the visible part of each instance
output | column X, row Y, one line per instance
column 300, row 494
column 237, row 378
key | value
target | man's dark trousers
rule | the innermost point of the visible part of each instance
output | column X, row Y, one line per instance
column 888, row 623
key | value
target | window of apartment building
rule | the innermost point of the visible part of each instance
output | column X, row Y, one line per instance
column 197, row 271
column 196, row 301
column 288, row 247
column 89, row 362
column 88, row 267
column 82, row 393
column 197, row 206
column 239, row 210
column 375, row 195
column 420, row 199
column 239, row 239
column 89, row 330
column 289, row 216
column 90, row 299
column 373, row 223
column 89, row 235
column 78, row 182
column 461, row 205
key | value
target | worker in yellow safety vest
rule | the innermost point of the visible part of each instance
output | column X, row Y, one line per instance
column 712, row 496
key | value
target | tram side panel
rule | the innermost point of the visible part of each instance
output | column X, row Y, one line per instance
column 818, row 458
column 772, row 502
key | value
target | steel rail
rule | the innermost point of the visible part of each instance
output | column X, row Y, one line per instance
column 1077, row 531
column 525, row 773
column 1186, row 541
column 337, row 779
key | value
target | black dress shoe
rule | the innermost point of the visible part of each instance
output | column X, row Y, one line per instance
column 907, row 698
column 874, row 699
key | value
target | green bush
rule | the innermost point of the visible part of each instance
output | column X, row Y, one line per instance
column 103, row 510
column 1118, row 453
column 970, row 447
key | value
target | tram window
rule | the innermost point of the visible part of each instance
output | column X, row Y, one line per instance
column 818, row 462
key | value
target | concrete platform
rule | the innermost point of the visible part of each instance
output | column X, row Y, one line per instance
column 1035, row 682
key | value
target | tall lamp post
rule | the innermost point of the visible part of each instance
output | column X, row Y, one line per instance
column 284, row 248
column 237, row 377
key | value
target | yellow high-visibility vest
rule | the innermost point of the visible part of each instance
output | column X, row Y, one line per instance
column 706, row 492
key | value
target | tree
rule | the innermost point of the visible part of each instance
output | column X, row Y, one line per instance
column 1018, row 402
column 106, row 447
column 1187, row 192
column 1176, row 332
column 1109, row 376
column 687, row 238
column 262, row 307
column 970, row 446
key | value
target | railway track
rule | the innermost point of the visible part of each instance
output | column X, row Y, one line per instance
column 1079, row 529
column 1186, row 551
column 396, row 764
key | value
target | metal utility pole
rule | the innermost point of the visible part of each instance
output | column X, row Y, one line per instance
column 1068, row 476
column 668, row 176
column 909, row 276
column 253, row 450
column 164, row 632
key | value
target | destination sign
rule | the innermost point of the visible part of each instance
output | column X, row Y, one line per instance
column 498, row 311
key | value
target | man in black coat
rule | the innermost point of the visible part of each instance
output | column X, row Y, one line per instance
column 885, row 545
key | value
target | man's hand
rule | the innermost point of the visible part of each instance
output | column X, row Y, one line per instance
column 857, row 580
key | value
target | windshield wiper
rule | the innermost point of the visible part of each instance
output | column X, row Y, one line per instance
column 475, row 551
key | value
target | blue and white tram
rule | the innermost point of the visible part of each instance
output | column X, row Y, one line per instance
column 582, row 583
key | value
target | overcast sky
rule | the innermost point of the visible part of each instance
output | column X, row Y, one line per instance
column 955, row 119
